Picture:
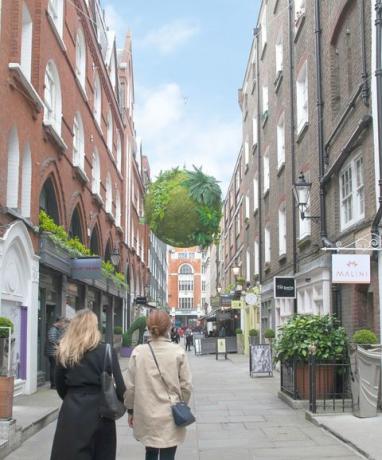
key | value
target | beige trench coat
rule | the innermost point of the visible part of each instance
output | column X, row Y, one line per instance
column 146, row 394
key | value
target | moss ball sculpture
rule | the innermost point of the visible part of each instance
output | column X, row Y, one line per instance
column 183, row 208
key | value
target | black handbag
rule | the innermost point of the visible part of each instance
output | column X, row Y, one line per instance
column 181, row 412
column 110, row 406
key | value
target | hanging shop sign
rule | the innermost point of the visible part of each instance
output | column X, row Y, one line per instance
column 351, row 268
column 284, row 287
column 236, row 304
column 226, row 300
column 86, row 268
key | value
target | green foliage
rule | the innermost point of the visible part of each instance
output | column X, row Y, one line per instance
column 75, row 247
column 269, row 333
column 126, row 339
column 183, row 208
column 118, row 330
column 301, row 331
column 253, row 333
column 5, row 322
column 138, row 324
column 240, row 280
column 364, row 337
column 229, row 288
column 238, row 331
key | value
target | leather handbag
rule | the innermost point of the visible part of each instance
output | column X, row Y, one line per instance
column 181, row 412
column 110, row 407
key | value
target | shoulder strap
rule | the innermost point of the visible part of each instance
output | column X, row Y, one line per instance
column 108, row 359
column 160, row 373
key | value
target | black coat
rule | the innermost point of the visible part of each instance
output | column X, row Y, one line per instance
column 81, row 434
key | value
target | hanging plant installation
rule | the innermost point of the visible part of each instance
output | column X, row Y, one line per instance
column 183, row 208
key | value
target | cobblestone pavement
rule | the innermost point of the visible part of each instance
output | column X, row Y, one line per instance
column 237, row 418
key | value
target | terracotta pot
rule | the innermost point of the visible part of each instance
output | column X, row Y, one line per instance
column 6, row 397
column 324, row 381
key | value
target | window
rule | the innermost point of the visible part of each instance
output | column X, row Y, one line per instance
column 26, row 183
column 96, row 173
column 78, row 142
column 185, row 270
column 299, row 11
column 97, row 108
column 26, row 43
column 117, row 208
column 52, row 98
column 246, row 152
column 266, row 171
column 279, row 54
column 267, row 245
column 280, row 142
column 352, row 192
column 265, row 102
column 203, row 286
column 247, row 206
column 254, row 131
column 56, row 11
column 119, row 152
column 302, row 97
column 255, row 193
column 13, row 170
column 256, row 257
column 186, row 303
column 237, row 179
column 238, row 224
column 81, row 58
column 186, row 283
column 109, row 195
column 109, row 139
column 282, row 230
column 263, row 27
column 248, row 266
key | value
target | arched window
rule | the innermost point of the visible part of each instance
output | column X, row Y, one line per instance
column 109, row 139
column 48, row 200
column 107, row 256
column 94, row 241
column 117, row 208
column 26, row 183
column 109, row 194
column 26, row 43
column 56, row 11
column 119, row 152
column 52, row 97
column 96, row 173
column 185, row 270
column 78, row 142
column 13, row 169
column 81, row 58
column 75, row 229
column 97, row 108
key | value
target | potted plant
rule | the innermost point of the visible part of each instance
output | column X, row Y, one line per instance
column 117, row 337
column 269, row 335
column 6, row 380
column 126, row 348
column 306, row 334
column 364, row 337
column 240, row 282
column 239, row 340
column 253, row 336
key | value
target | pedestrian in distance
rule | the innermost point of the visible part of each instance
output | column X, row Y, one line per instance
column 189, row 339
column 53, row 337
column 174, row 335
column 81, row 434
column 148, row 398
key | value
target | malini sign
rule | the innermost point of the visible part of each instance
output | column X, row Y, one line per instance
column 350, row 268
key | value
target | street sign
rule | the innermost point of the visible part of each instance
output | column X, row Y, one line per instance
column 260, row 360
column 284, row 287
column 141, row 300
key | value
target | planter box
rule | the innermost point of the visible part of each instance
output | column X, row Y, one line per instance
column 125, row 352
column 240, row 343
column 6, row 397
column 324, row 381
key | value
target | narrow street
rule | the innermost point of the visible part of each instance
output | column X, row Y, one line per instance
column 237, row 418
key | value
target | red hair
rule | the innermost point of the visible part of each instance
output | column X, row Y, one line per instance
column 158, row 323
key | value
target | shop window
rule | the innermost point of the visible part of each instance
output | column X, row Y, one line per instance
column 26, row 43
column 13, row 169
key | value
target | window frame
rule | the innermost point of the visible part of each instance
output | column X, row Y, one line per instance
column 357, row 189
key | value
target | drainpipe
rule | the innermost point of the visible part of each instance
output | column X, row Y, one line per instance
column 320, row 124
column 292, row 141
column 365, row 79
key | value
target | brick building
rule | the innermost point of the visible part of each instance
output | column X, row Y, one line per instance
column 185, row 285
column 305, row 103
column 67, row 147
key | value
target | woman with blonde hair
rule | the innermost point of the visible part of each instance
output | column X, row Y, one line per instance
column 149, row 395
column 81, row 434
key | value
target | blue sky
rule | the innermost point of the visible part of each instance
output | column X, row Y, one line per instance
column 189, row 61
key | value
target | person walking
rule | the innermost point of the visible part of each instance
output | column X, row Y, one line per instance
column 189, row 339
column 148, row 398
column 175, row 335
column 81, row 434
column 53, row 337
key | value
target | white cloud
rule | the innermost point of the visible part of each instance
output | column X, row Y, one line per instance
column 171, row 138
column 115, row 21
column 171, row 36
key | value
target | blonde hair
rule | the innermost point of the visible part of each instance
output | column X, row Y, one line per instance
column 81, row 335
column 158, row 323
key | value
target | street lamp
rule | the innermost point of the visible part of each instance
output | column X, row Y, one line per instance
column 115, row 257
column 301, row 190
column 235, row 271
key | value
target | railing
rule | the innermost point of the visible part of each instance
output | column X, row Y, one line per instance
column 325, row 385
